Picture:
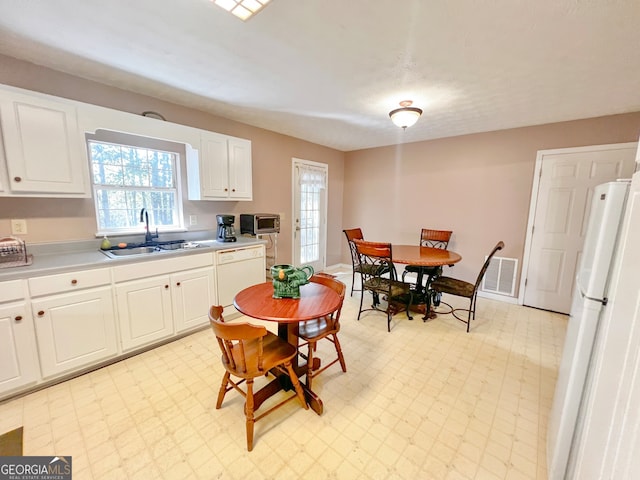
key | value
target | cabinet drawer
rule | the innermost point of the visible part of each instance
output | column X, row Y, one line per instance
column 66, row 282
column 11, row 290
column 134, row 271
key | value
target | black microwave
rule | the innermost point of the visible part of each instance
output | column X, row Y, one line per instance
column 259, row 223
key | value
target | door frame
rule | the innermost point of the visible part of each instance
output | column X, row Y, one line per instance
column 325, row 205
column 534, row 198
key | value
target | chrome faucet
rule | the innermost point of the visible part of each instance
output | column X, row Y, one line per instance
column 144, row 217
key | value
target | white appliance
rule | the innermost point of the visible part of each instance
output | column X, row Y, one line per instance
column 590, row 304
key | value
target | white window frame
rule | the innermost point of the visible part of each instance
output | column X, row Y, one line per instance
column 135, row 141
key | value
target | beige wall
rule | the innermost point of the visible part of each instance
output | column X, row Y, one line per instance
column 479, row 185
column 74, row 219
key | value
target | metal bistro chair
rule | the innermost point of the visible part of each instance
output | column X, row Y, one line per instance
column 250, row 351
column 312, row 331
column 433, row 239
column 377, row 260
column 461, row 288
column 354, row 234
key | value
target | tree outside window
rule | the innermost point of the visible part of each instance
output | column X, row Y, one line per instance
column 127, row 179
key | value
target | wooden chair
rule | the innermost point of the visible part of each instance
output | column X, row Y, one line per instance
column 250, row 351
column 376, row 259
column 461, row 288
column 312, row 331
column 433, row 239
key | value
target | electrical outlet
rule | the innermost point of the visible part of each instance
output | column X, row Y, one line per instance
column 18, row 227
column 193, row 219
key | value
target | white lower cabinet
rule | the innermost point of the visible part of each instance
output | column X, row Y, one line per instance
column 193, row 292
column 18, row 356
column 144, row 311
column 74, row 330
column 161, row 298
column 54, row 325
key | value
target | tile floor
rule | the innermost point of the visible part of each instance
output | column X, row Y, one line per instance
column 426, row 401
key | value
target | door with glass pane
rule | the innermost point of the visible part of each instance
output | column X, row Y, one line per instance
column 309, row 213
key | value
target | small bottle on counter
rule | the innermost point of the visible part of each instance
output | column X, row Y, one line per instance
column 106, row 244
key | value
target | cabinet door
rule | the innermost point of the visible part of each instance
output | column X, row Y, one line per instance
column 144, row 311
column 193, row 292
column 214, row 166
column 240, row 181
column 18, row 360
column 43, row 147
column 74, row 330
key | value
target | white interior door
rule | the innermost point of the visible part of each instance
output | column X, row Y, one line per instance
column 560, row 212
column 310, row 213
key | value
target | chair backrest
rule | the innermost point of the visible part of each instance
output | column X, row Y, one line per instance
column 353, row 234
column 435, row 238
column 376, row 258
column 232, row 338
column 336, row 285
column 499, row 246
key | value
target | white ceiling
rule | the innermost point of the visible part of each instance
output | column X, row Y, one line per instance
column 329, row 71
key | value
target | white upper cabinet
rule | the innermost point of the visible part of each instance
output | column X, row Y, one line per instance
column 240, row 181
column 221, row 170
column 44, row 151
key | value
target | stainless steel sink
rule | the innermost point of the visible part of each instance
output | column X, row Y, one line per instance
column 123, row 252
column 144, row 250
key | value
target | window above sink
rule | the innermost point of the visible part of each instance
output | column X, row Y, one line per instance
column 130, row 173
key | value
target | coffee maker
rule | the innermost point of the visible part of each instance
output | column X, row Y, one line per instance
column 226, row 232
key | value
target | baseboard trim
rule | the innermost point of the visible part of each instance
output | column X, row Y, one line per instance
column 499, row 298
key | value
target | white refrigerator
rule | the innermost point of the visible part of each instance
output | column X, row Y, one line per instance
column 591, row 301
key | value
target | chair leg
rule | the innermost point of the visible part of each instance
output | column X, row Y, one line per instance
column 296, row 385
column 472, row 310
column 248, row 411
column 360, row 310
column 353, row 280
column 336, row 343
column 223, row 389
column 475, row 301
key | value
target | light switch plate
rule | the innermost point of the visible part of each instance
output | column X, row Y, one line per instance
column 18, row 227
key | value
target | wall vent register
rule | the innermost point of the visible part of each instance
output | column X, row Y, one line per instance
column 501, row 276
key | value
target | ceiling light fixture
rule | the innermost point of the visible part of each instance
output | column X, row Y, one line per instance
column 406, row 115
column 243, row 9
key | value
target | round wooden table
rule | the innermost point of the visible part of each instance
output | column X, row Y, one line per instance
column 424, row 256
column 315, row 301
column 419, row 256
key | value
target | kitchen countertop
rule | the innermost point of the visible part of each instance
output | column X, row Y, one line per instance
column 60, row 257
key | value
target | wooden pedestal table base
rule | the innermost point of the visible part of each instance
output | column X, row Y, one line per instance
column 419, row 256
column 316, row 300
